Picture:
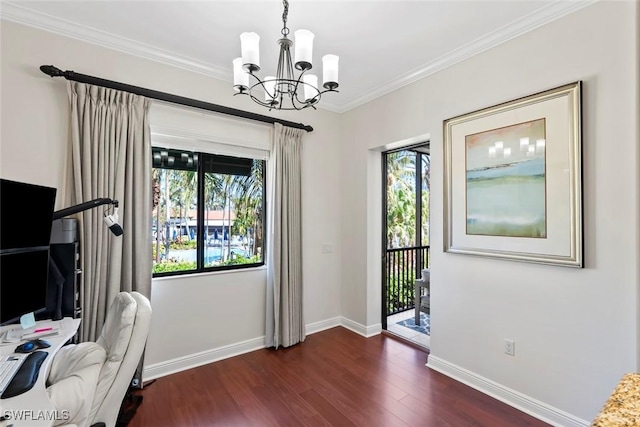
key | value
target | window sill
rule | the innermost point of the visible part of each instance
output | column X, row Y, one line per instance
column 207, row 273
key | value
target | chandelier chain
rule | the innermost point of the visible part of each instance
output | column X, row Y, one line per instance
column 285, row 30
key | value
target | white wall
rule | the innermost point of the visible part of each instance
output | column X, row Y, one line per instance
column 192, row 314
column 637, row 79
column 576, row 330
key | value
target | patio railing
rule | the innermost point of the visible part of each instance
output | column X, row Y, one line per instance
column 404, row 265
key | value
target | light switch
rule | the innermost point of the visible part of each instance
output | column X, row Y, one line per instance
column 327, row 248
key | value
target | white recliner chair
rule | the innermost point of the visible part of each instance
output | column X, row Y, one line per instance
column 90, row 380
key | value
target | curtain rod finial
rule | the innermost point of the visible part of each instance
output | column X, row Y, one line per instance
column 51, row 70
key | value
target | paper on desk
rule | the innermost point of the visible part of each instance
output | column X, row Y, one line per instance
column 13, row 335
column 27, row 321
column 40, row 333
column 41, row 330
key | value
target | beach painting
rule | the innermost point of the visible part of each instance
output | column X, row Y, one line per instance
column 506, row 181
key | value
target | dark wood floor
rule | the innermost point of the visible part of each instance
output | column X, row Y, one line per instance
column 335, row 378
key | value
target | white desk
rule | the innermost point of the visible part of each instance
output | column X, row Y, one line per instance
column 33, row 407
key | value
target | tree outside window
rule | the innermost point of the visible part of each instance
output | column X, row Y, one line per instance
column 208, row 212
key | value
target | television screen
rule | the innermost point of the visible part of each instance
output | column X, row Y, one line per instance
column 26, row 215
column 23, row 283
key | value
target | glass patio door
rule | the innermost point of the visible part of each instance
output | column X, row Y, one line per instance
column 405, row 231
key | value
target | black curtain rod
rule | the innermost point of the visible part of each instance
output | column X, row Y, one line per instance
column 167, row 97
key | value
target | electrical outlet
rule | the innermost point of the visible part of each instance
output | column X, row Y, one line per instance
column 327, row 248
column 509, row 347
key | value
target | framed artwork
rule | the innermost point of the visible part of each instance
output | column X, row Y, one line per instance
column 513, row 180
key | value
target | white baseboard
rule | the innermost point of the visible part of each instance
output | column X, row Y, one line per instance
column 533, row 407
column 360, row 329
column 183, row 363
column 322, row 325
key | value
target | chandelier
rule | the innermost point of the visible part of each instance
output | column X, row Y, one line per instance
column 284, row 91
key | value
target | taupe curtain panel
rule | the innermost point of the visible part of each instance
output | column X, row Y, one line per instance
column 285, row 320
column 110, row 157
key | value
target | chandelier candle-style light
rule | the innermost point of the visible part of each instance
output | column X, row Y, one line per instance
column 284, row 91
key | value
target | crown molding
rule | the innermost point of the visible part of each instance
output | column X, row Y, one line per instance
column 558, row 9
column 23, row 15
column 527, row 23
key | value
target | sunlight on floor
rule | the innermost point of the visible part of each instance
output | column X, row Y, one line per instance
column 407, row 333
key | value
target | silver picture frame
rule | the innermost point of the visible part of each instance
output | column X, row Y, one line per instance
column 513, row 180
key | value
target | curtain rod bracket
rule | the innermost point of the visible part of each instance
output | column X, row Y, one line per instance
column 54, row 71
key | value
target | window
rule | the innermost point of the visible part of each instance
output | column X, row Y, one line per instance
column 208, row 212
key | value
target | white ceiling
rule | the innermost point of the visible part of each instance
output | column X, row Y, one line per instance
column 383, row 45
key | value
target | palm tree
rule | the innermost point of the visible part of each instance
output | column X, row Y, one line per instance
column 213, row 185
column 158, row 206
column 401, row 198
column 182, row 191
column 176, row 188
column 249, row 192
column 426, row 195
column 218, row 189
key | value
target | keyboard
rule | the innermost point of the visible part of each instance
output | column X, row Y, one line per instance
column 9, row 365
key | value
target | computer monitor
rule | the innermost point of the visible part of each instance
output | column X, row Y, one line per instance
column 26, row 215
column 23, row 283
